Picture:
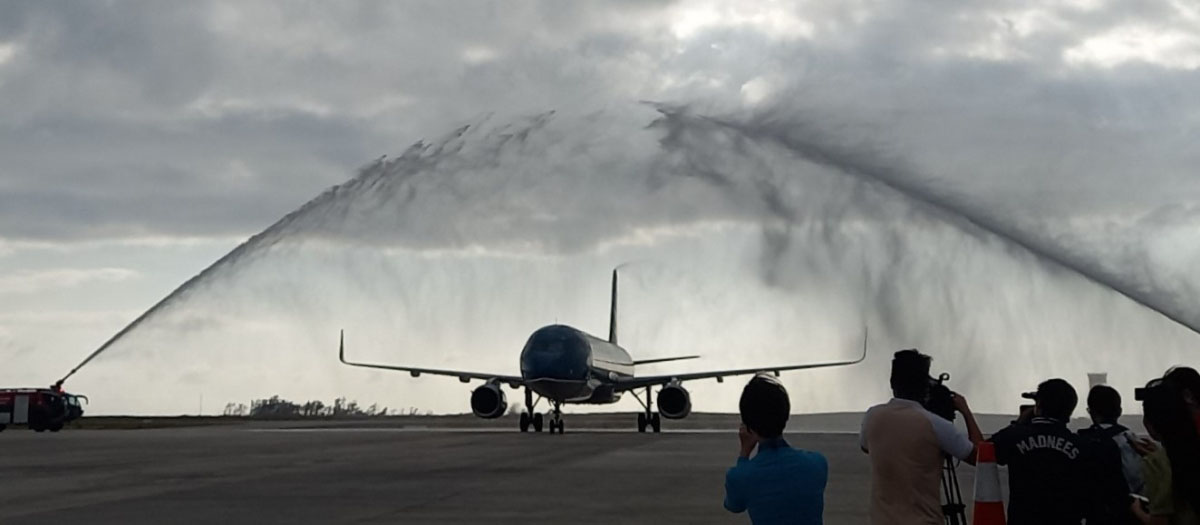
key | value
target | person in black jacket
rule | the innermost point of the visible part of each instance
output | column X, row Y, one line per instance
column 1115, row 466
column 1047, row 463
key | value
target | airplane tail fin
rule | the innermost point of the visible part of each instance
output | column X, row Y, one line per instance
column 612, row 311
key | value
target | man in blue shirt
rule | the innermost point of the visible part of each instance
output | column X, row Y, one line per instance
column 781, row 484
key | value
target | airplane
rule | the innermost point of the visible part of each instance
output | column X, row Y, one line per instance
column 564, row 365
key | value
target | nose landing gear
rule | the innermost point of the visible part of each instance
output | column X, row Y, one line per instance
column 556, row 421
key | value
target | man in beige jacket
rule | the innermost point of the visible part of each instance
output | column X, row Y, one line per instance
column 908, row 444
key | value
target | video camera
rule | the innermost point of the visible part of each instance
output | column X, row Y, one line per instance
column 940, row 399
column 1139, row 394
column 1025, row 411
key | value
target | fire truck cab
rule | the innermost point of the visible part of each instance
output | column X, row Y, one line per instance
column 40, row 409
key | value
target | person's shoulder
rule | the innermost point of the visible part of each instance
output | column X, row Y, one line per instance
column 898, row 409
column 810, row 455
column 1097, row 439
column 810, row 462
column 1081, row 437
column 802, row 455
column 874, row 409
column 820, row 460
column 939, row 423
column 1011, row 431
column 872, row 414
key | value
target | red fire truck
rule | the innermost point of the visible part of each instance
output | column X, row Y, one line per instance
column 40, row 409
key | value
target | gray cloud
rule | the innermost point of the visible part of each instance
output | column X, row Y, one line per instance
column 152, row 94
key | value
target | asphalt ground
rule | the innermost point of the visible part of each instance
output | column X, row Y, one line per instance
column 363, row 472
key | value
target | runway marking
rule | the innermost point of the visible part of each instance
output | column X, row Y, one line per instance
column 491, row 430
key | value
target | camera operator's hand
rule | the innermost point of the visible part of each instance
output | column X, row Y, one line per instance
column 960, row 403
column 748, row 439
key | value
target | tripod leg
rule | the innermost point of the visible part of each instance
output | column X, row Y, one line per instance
column 954, row 511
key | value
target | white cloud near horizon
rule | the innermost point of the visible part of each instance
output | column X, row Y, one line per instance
column 34, row 281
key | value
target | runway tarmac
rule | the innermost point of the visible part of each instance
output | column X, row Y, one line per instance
column 289, row 473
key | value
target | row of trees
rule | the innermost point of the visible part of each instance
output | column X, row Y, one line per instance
column 276, row 407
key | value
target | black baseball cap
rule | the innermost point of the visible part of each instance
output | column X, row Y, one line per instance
column 1056, row 397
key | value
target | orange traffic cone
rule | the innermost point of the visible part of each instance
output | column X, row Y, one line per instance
column 989, row 504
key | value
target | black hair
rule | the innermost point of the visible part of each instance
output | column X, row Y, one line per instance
column 1104, row 402
column 910, row 375
column 765, row 406
column 1171, row 420
column 1056, row 398
column 1186, row 379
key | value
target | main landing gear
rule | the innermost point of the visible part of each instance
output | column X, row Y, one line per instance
column 649, row 418
column 529, row 418
column 653, row 422
column 534, row 421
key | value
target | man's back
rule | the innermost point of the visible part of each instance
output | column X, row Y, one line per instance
column 906, row 462
column 1109, row 486
column 1046, row 472
column 779, row 485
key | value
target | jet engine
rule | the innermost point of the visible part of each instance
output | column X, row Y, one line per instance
column 674, row 402
column 488, row 401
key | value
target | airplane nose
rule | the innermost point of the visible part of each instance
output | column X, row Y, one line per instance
column 562, row 367
column 555, row 353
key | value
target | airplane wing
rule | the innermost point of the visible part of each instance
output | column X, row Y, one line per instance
column 462, row 375
column 664, row 359
column 641, row 382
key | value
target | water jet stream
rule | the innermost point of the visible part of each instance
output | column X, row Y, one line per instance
column 391, row 185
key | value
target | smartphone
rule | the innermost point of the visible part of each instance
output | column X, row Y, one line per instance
column 1143, row 500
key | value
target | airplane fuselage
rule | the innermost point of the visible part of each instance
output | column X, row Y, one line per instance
column 565, row 364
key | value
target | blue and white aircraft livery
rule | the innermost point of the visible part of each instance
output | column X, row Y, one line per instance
column 562, row 364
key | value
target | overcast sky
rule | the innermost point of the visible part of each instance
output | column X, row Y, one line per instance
column 141, row 141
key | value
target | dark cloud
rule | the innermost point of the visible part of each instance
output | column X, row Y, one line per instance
column 83, row 178
column 128, row 118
